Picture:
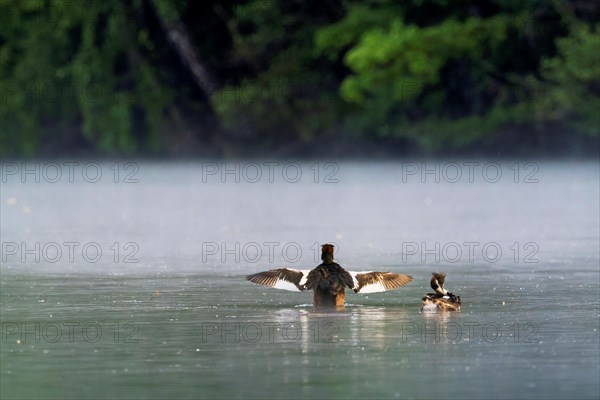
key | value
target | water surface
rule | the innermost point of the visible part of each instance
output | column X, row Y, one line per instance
column 165, row 312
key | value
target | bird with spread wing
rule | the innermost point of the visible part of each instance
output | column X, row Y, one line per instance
column 329, row 280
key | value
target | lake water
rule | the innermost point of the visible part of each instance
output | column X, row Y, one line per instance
column 127, row 279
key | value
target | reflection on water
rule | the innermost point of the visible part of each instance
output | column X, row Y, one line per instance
column 182, row 322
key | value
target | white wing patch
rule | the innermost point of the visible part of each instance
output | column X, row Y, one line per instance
column 304, row 276
column 373, row 288
column 285, row 285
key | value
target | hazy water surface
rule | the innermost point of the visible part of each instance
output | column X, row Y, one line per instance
column 117, row 288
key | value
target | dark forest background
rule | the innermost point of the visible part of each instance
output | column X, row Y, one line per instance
column 299, row 78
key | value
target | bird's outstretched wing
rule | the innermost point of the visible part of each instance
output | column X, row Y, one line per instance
column 282, row 278
column 374, row 281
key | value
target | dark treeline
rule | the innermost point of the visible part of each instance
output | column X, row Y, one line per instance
column 298, row 77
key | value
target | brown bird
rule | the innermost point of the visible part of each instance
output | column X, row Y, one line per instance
column 442, row 299
column 329, row 280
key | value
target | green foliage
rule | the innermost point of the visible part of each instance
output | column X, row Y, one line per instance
column 63, row 62
column 573, row 88
column 405, row 77
column 386, row 61
column 333, row 39
column 102, row 76
column 286, row 93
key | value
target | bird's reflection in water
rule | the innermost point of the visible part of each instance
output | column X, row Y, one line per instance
column 438, row 316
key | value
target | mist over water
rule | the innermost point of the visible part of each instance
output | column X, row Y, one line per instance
column 131, row 283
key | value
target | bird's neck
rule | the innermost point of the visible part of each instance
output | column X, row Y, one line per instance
column 327, row 258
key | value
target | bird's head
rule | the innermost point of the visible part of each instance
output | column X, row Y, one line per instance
column 327, row 253
column 440, row 276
